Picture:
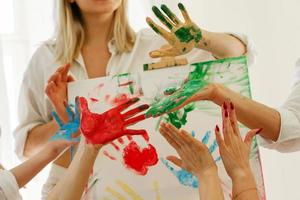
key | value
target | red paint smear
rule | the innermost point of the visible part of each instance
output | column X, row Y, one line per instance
column 120, row 99
column 111, row 125
column 126, row 84
column 115, row 146
column 121, row 141
column 108, row 155
column 139, row 159
column 94, row 100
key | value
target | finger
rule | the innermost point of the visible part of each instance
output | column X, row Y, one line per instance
column 187, row 137
column 169, row 139
column 226, row 124
column 50, row 88
column 165, row 53
column 57, row 119
column 219, row 138
column 53, row 77
column 135, row 120
column 170, row 14
column 233, row 120
column 250, row 135
column 184, row 13
column 158, row 29
column 70, row 79
column 162, row 18
column 135, row 111
column 76, row 135
column 58, row 79
column 83, row 104
column 174, row 133
column 69, row 111
column 175, row 160
column 65, row 72
column 77, row 110
column 127, row 104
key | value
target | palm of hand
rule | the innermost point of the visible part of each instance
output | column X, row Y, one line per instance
column 183, row 36
column 106, row 127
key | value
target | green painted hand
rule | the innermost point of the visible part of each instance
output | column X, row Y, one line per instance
column 183, row 36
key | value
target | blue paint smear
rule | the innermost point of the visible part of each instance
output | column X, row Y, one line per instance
column 67, row 130
column 184, row 177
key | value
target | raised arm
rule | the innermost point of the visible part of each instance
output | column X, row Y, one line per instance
column 185, row 35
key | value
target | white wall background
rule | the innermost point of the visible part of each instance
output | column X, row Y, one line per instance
column 272, row 24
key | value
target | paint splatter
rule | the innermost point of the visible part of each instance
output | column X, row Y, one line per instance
column 179, row 117
column 184, row 177
column 106, row 127
column 135, row 158
column 139, row 159
column 129, row 191
column 196, row 81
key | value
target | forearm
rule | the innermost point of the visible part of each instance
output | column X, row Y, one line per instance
column 38, row 137
column 210, row 187
column 29, row 169
column 77, row 175
column 252, row 114
column 244, row 187
column 222, row 45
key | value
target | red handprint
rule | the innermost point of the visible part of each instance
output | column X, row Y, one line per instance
column 106, row 127
column 134, row 157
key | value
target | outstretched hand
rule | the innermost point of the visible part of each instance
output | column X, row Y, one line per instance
column 233, row 149
column 194, row 155
column 108, row 126
column 182, row 37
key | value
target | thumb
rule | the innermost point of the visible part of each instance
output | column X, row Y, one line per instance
column 250, row 135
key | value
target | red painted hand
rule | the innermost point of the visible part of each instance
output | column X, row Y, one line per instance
column 106, row 127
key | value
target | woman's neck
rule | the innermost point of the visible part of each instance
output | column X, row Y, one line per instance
column 98, row 28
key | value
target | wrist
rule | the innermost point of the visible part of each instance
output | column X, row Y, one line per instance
column 217, row 93
column 204, row 42
column 208, row 174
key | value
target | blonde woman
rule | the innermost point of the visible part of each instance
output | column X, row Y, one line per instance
column 97, row 40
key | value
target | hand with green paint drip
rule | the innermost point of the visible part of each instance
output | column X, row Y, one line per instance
column 183, row 36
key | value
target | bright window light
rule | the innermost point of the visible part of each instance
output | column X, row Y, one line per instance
column 7, row 20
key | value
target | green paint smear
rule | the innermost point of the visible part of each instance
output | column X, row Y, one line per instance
column 179, row 117
column 169, row 13
column 154, row 28
column 184, row 35
column 160, row 16
column 197, row 80
column 170, row 90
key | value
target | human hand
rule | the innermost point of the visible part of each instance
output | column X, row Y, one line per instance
column 108, row 126
column 183, row 36
column 194, row 155
column 233, row 149
column 56, row 90
column 70, row 130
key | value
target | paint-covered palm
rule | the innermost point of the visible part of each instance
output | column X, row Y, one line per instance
column 108, row 126
column 68, row 130
column 183, row 36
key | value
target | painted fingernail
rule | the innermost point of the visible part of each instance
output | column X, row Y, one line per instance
column 144, row 107
column 155, row 53
column 258, row 131
column 217, row 128
column 231, row 106
column 134, row 100
column 224, row 106
column 226, row 113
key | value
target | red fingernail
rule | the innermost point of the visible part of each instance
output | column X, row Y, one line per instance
column 226, row 113
column 135, row 100
column 217, row 128
column 144, row 107
column 225, row 106
column 231, row 106
column 258, row 131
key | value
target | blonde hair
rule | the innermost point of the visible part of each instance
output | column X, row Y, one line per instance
column 70, row 32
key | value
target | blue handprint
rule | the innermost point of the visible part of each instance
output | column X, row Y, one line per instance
column 67, row 130
column 184, row 177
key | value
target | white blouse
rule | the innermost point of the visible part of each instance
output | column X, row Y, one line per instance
column 34, row 107
column 289, row 138
column 9, row 189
